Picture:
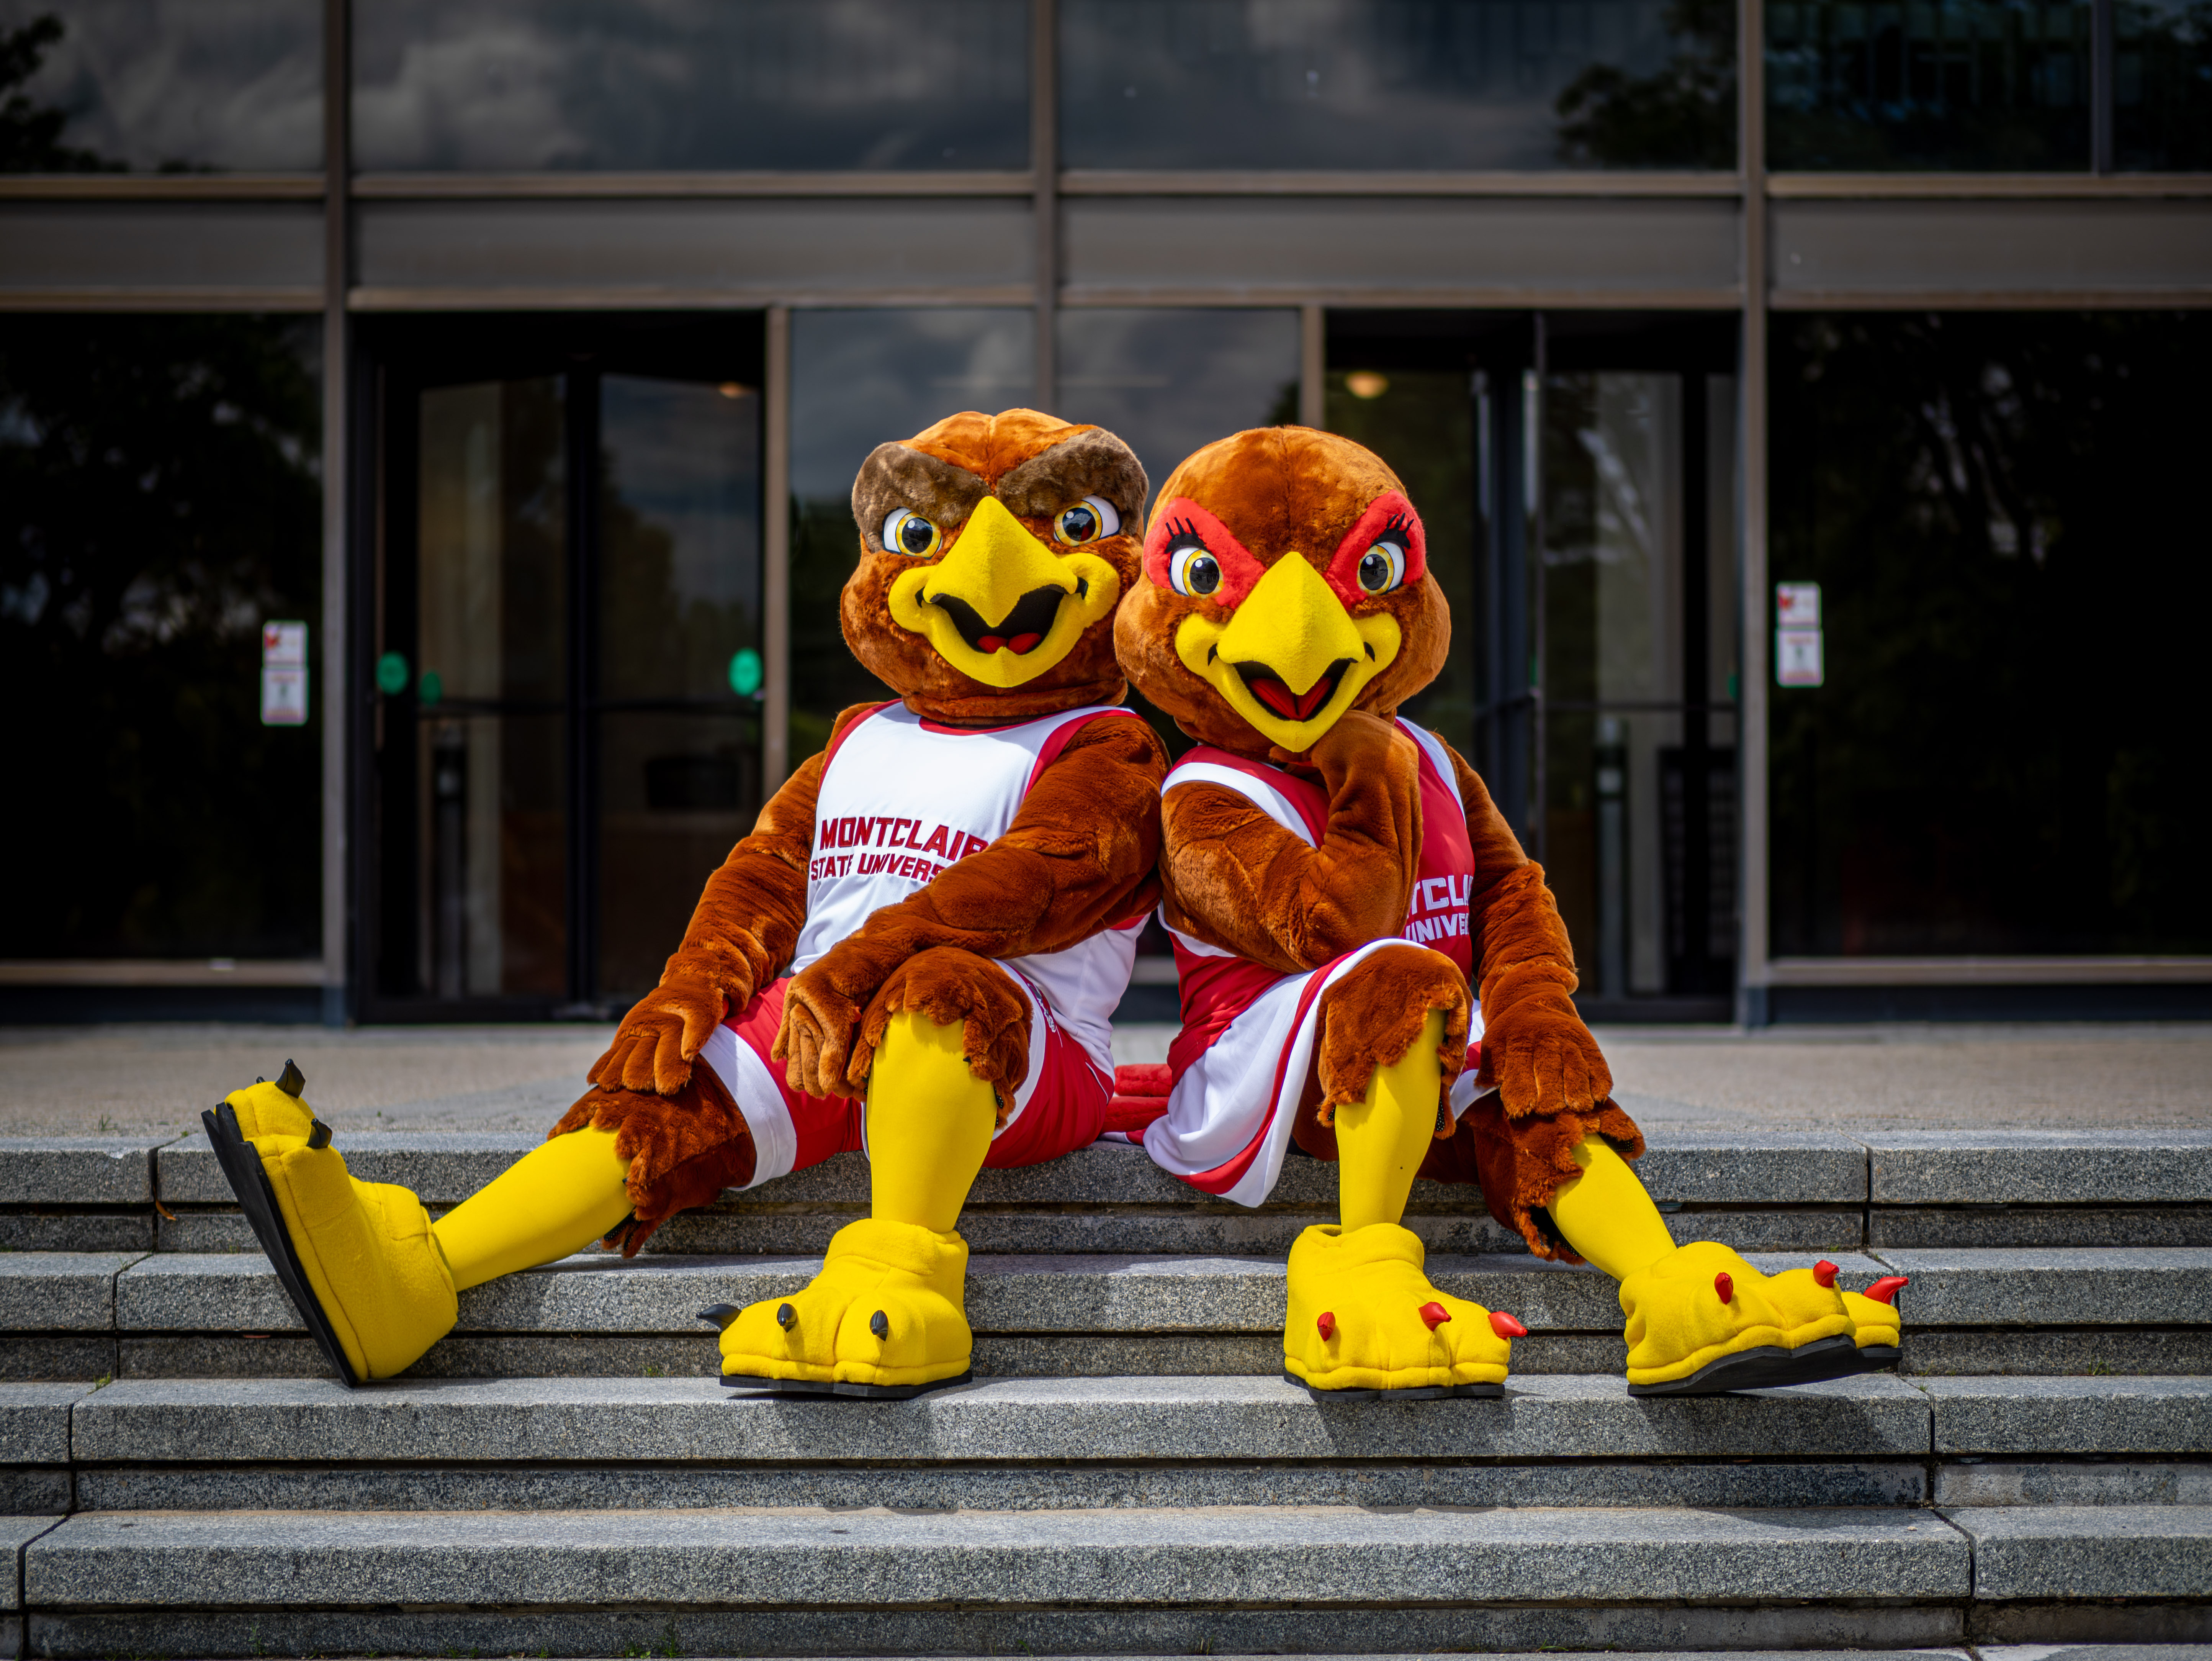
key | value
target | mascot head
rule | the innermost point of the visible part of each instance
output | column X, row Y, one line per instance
column 1285, row 580
column 993, row 550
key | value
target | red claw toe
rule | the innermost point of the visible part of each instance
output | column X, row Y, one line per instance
column 1435, row 1314
column 1825, row 1272
column 1327, row 1323
column 1724, row 1284
column 1885, row 1290
column 1506, row 1326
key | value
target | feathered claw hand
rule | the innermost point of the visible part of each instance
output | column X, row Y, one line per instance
column 659, row 1038
column 1543, row 1059
column 821, row 1010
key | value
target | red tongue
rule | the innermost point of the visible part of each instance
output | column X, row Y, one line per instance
column 989, row 643
column 1289, row 704
column 1021, row 643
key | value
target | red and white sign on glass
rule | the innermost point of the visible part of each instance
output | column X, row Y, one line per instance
column 283, row 674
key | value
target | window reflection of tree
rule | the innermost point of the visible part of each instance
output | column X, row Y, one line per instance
column 1681, row 116
column 158, row 500
column 30, row 133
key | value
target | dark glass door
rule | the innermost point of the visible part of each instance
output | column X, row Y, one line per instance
column 1577, row 475
column 566, row 734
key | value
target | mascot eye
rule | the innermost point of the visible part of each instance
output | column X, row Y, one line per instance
column 906, row 532
column 1086, row 521
column 1383, row 568
column 1191, row 569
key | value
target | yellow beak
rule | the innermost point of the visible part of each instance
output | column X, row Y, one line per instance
column 1000, row 606
column 1291, row 660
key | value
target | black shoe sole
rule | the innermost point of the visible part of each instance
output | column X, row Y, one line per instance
column 1418, row 1393
column 755, row 1385
column 1768, row 1367
column 242, row 1165
column 1874, row 1358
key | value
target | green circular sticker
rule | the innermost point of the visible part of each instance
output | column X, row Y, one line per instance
column 391, row 674
column 745, row 672
column 430, row 688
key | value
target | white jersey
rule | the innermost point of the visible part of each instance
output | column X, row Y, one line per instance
column 902, row 797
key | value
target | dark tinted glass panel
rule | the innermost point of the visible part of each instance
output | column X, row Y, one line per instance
column 1423, row 424
column 2005, row 517
column 858, row 380
column 491, row 638
column 1962, row 84
column 170, row 86
column 158, row 504
column 1397, row 83
column 525, row 85
column 1639, row 561
column 679, row 579
column 2162, row 84
column 1169, row 381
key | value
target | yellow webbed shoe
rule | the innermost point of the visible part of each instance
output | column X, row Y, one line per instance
column 358, row 1260
column 1701, row 1320
column 1364, row 1319
column 886, row 1318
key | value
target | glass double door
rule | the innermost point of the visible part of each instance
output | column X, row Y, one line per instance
column 1577, row 474
column 567, row 738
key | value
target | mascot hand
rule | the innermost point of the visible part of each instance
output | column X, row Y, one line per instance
column 1542, row 1058
column 659, row 1038
column 1362, row 750
column 821, row 1010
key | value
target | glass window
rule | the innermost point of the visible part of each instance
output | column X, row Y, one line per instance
column 1443, row 84
column 770, row 84
column 679, row 629
column 161, row 86
column 491, row 636
column 858, row 380
column 159, row 504
column 2162, row 85
column 2001, row 85
column 2003, row 514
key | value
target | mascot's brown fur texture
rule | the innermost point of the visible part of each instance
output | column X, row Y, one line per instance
column 1079, row 856
column 1237, row 880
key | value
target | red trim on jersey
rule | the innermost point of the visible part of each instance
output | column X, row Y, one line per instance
column 837, row 739
column 1306, row 798
column 1058, row 739
column 1226, row 1176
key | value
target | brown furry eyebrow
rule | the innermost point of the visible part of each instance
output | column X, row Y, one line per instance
column 897, row 476
column 1094, row 463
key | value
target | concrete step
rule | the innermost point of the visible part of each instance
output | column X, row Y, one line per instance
column 1059, row 1444
column 1336, row 1578
column 2112, row 1310
column 1757, row 1191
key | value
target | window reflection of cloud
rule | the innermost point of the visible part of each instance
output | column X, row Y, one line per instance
column 230, row 84
column 685, row 83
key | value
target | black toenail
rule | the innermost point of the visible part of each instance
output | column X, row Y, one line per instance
column 880, row 1324
column 718, row 1314
column 291, row 1080
column 321, row 1135
column 786, row 1316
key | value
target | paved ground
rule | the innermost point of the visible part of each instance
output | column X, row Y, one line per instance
column 85, row 1080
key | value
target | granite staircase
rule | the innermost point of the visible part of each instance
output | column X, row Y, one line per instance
column 1128, row 1474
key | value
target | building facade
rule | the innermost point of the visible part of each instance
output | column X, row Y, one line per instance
column 1803, row 399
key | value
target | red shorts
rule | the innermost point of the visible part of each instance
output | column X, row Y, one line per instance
column 1060, row 1106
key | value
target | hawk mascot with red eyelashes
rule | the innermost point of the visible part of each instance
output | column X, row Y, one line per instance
column 917, row 951
column 1373, row 969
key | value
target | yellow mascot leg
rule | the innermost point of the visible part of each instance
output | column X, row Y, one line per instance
column 1701, row 1320
column 375, row 1281
column 886, row 1316
column 1363, row 1315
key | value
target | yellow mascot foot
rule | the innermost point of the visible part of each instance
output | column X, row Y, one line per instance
column 1876, row 1327
column 884, row 1319
column 1363, row 1320
column 357, row 1259
column 1701, row 1320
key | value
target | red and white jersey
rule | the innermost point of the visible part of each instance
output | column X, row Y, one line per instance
column 1218, row 986
column 901, row 798
column 1239, row 1066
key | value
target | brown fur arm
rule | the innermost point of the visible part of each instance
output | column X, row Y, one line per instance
column 743, row 930
column 1235, row 878
column 1078, row 856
